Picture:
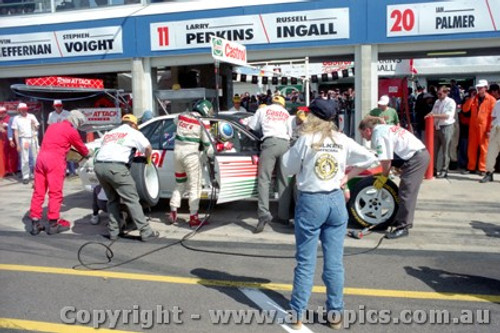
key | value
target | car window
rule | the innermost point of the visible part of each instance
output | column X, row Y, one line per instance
column 161, row 134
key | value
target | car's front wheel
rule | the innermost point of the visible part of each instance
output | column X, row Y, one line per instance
column 146, row 181
column 368, row 206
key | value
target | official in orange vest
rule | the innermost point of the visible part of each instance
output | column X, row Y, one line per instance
column 480, row 108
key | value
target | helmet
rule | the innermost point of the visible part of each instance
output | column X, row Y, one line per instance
column 226, row 131
column 130, row 118
column 76, row 118
column 279, row 100
column 204, row 108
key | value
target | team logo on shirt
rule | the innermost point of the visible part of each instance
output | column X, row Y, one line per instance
column 326, row 167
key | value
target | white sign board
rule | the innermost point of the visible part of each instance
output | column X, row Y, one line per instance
column 60, row 44
column 102, row 116
column 229, row 52
column 445, row 17
column 311, row 25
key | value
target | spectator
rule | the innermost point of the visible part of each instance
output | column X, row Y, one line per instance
column 464, row 122
column 237, row 105
column 387, row 114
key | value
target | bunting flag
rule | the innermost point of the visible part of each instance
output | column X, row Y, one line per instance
column 284, row 80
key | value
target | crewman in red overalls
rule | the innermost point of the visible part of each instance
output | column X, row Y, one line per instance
column 50, row 170
column 8, row 152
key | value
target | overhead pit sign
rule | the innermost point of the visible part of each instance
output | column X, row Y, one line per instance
column 313, row 25
column 59, row 44
column 446, row 17
column 230, row 52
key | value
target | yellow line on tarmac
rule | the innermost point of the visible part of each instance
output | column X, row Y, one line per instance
column 256, row 285
column 41, row 326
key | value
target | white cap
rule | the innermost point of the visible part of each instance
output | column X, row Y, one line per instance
column 482, row 83
column 3, row 109
column 384, row 100
column 22, row 106
column 57, row 102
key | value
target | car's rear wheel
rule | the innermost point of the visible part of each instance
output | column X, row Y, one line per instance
column 146, row 181
column 367, row 206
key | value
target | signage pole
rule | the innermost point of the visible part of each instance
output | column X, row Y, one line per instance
column 307, row 81
column 216, row 72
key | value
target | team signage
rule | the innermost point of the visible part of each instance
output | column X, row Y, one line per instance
column 65, row 81
column 59, row 44
column 324, row 24
column 443, row 17
column 102, row 116
column 229, row 52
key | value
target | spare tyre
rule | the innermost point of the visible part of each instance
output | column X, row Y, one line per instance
column 368, row 206
column 146, row 181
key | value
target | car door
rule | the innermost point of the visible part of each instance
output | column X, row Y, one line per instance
column 236, row 169
column 161, row 135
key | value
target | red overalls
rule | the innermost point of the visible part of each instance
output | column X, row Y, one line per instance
column 10, row 154
column 50, row 167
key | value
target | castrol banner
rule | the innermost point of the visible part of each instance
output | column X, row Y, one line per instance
column 444, row 17
column 61, row 44
column 283, row 27
column 102, row 116
column 229, row 52
column 65, row 81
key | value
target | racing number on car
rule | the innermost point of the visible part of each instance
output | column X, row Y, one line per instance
column 403, row 20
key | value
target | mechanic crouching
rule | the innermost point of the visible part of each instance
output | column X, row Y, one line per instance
column 111, row 167
column 50, row 170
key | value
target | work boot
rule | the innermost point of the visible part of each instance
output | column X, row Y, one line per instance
column 171, row 217
column 36, row 227
column 263, row 220
column 194, row 221
column 487, row 178
column 57, row 226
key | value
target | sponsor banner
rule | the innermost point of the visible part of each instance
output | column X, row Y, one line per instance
column 445, row 17
column 59, row 44
column 64, row 81
column 324, row 24
column 102, row 116
column 33, row 107
column 229, row 52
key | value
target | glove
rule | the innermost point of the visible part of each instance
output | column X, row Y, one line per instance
column 379, row 181
column 228, row 146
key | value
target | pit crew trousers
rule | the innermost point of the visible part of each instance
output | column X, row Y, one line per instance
column 493, row 149
column 117, row 182
column 187, row 167
column 29, row 147
column 412, row 174
column 50, row 169
column 442, row 145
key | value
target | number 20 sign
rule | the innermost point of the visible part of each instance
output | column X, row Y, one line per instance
column 402, row 21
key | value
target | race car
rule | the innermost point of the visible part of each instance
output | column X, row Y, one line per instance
column 231, row 175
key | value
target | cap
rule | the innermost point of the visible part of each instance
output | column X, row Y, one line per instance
column 279, row 100
column 384, row 100
column 3, row 109
column 130, row 118
column 482, row 83
column 22, row 106
column 323, row 108
column 303, row 108
column 236, row 99
column 57, row 102
column 176, row 86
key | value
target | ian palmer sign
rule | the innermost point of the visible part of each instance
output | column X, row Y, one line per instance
column 444, row 17
column 324, row 24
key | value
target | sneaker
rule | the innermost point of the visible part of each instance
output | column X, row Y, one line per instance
column 487, row 178
column 57, row 226
column 94, row 219
column 36, row 227
column 336, row 323
column 171, row 217
column 194, row 221
column 153, row 235
column 297, row 326
column 26, row 181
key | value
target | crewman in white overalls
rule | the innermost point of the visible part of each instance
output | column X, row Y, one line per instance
column 25, row 127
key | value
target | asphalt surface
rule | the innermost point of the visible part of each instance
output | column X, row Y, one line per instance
column 448, row 263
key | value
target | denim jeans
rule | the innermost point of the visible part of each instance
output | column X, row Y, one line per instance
column 319, row 216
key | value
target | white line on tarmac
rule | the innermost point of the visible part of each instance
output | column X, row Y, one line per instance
column 267, row 304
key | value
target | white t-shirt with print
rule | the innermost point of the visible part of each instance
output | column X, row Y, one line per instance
column 272, row 120
column 388, row 140
column 55, row 117
column 322, row 170
column 23, row 125
column 118, row 144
